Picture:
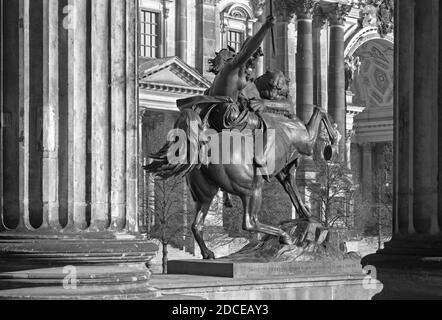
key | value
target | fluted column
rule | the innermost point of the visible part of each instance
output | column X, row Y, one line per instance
column 118, row 114
column 100, row 115
column 132, row 94
column 336, row 90
column 50, row 113
column 78, row 113
column 410, row 265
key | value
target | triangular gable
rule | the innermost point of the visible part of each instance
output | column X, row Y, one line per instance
column 171, row 71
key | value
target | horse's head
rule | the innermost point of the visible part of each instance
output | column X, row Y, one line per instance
column 273, row 85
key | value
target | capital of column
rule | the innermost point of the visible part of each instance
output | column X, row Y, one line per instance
column 166, row 9
column 303, row 9
column 319, row 18
column 258, row 7
column 283, row 14
column 367, row 147
column 337, row 12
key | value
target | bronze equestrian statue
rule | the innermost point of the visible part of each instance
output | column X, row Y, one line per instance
column 226, row 107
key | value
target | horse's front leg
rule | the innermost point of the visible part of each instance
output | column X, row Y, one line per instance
column 252, row 206
column 288, row 181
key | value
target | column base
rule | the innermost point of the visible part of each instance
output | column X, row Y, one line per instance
column 406, row 275
column 75, row 266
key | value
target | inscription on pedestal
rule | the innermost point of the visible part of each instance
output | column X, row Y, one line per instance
column 245, row 270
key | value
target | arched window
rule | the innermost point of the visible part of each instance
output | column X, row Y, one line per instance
column 236, row 25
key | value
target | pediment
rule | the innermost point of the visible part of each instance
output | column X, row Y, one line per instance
column 171, row 72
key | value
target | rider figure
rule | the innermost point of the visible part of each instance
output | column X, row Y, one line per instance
column 233, row 74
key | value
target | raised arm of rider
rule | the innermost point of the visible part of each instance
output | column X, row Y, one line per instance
column 254, row 43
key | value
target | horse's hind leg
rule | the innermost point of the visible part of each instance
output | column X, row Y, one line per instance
column 203, row 193
column 198, row 227
column 252, row 206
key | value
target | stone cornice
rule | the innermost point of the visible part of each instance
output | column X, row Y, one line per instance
column 170, row 88
column 208, row 2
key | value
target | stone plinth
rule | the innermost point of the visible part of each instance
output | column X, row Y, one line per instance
column 256, row 270
column 310, row 254
column 94, row 266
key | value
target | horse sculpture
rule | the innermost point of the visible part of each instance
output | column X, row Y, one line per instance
column 224, row 105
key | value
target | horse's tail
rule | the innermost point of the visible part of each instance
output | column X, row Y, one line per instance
column 161, row 166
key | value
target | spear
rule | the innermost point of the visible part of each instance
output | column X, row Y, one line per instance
column 272, row 31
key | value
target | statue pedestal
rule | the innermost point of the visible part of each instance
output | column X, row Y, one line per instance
column 309, row 255
column 248, row 270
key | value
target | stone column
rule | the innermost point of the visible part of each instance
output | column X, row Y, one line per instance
column 285, row 39
column 50, row 113
column 320, row 59
column 410, row 265
column 320, row 73
column 336, row 90
column 100, row 115
column 206, row 35
column 304, row 10
column 181, row 30
column 91, row 246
